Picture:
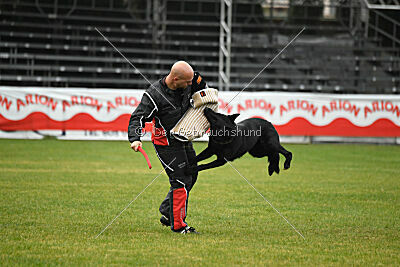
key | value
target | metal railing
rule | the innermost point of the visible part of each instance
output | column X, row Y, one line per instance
column 380, row 25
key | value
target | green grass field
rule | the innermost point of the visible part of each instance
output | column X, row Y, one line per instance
column 56, row 196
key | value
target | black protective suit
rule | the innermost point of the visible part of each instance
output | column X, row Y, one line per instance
column 165, row 107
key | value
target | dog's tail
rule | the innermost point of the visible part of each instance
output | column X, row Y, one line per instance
column 273, row 159
column 288, row 155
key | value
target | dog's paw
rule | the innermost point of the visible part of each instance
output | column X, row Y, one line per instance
column 286, row 167
column 287, row 161
column 270, row 171
column 273, row 168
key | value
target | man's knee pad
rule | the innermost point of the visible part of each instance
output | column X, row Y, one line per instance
column 178, row 208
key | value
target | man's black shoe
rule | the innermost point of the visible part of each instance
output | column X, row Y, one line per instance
column 165, row 221
column 186, row 230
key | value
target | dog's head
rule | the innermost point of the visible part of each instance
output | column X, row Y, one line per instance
column 223, row 127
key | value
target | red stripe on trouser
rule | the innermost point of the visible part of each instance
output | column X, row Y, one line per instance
column 179, row 198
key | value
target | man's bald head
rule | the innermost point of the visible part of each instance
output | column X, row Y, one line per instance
column 181, row 68
column 180, row 76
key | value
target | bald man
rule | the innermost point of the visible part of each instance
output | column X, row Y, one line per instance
column 164, row 103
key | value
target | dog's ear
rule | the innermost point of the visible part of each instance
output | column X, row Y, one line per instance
column 233, row 117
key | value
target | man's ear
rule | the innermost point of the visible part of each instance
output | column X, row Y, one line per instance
column 233, row 117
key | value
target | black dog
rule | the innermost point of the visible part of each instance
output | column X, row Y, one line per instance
column 230, row 141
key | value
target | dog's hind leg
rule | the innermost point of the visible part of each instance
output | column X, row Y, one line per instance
column 273, row 159
column 288, row 155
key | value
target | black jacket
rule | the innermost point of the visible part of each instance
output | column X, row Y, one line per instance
column 164, row 105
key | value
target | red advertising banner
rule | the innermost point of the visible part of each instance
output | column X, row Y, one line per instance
column 299, row 114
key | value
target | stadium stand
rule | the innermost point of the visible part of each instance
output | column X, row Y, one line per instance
column 55, row 43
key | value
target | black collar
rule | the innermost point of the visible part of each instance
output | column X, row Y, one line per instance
column 163, row 81
column 165, row 87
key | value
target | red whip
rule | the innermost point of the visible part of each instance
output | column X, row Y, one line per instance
column 145, row 156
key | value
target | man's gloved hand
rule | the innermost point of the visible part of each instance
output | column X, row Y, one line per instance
column 198, row 83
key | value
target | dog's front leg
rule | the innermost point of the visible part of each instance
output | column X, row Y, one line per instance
column 194, row 168
column 216, row 163
column 205, row 154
